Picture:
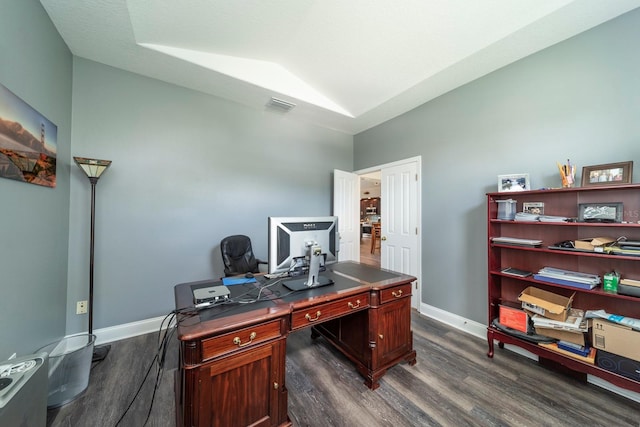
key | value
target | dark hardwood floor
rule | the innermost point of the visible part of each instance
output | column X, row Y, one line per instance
column 454, row 383
column 366, row 257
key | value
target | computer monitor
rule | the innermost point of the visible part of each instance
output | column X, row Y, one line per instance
column 301, row 245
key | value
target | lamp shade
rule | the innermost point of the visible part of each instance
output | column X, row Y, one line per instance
column 92, row 167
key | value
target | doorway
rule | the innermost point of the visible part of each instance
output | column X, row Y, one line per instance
column 400, row 209
column 370, row 218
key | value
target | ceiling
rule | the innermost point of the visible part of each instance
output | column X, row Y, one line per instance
column 370, row 184
column 345, row 64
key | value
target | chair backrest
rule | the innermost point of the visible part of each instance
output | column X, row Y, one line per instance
column 237, row 255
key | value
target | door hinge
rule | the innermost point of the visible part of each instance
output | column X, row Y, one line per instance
column 416, row 177
column 416, row 231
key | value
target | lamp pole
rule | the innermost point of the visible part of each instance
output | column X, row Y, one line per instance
column 93, row 181
column 93, row 168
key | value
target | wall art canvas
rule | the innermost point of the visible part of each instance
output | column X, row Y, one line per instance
column 28, row 142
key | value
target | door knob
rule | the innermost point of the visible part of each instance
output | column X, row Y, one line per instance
column 383, row 238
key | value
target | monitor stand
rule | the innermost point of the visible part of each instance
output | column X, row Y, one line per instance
column 301, row 284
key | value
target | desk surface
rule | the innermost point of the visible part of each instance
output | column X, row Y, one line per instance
column 349, row 277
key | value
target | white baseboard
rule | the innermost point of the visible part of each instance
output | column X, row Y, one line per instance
column 480, row 330
column 469, row 326
column 127, row 330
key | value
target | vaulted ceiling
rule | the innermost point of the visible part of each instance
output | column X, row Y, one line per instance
column 345, row 64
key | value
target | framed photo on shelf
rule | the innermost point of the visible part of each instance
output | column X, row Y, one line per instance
column 600, row 212
column 607, row 174
column 535, row 208
column 514, row 182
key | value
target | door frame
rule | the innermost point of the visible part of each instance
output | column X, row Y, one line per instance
column 418, row 161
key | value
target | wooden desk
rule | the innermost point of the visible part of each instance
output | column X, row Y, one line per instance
column 232, row 357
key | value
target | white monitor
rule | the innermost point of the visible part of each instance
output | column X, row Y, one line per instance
column 292, row 237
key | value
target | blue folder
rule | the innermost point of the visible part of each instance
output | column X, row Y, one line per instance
column 237, row 280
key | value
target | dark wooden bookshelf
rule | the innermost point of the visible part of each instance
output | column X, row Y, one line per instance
column 505, row 288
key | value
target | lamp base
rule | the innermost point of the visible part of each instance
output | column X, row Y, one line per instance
column 99, row 353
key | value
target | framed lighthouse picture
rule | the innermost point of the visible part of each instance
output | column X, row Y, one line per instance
column 28, row 142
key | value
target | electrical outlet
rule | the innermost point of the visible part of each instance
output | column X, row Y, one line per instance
column 81, row 307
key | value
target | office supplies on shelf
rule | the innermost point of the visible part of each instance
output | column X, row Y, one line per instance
column 590, row 358
column 526, row 216
column 516, row 241
column 567, row 174
column 552, row 218
column 574, row 348
column 516, row 272
column 574, row 279
column 570, row 283
column 574, row 322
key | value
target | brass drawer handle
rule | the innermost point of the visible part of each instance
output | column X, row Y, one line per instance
column 237, row 341
column 354, row 306
column 310, row 319
column 397, row 294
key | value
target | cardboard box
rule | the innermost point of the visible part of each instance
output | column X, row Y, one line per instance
column 616, row 338
column 546, row 303
column 514, row 318
column 562, row 335
column 595, row 244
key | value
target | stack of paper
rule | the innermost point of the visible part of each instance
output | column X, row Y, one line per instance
column 575, row 279
column 575, row 322
column 551, row 218
column 526, row 216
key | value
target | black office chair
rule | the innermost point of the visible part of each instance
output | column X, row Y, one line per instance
column 238, row 257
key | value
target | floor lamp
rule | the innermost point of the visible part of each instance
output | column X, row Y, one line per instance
column 93, row 168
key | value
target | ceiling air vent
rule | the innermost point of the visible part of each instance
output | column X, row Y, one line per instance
column 280, row 105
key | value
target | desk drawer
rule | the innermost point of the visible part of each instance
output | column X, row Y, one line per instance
column 321, row 312
column 242, row 338
column 394, row 293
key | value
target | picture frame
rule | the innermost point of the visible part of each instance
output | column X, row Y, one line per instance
column 534, row 208
column 600, row 212
column 28, row 142
column 607, row 174
column 514, row 182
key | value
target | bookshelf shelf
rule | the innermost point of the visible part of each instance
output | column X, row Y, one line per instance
column 505, row 288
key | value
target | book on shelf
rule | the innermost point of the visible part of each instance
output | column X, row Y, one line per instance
column 590, row 358
column 574, row 279
column 576, row 276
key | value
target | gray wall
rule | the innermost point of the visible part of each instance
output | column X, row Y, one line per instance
column 188, row 169
column 36, row 65
column 579, row 99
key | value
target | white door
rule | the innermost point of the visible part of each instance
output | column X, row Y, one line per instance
column 346, row 206
column 399, row 246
